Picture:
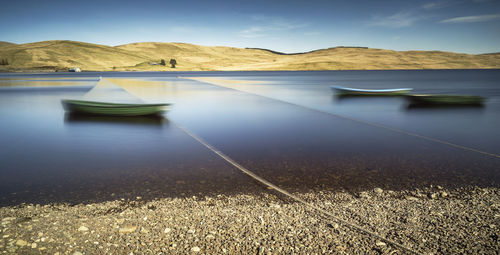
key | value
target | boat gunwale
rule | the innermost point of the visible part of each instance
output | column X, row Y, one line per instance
column 346, row 89
column 109, row 105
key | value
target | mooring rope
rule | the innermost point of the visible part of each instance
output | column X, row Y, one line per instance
column 373, row 124
column 288, row 194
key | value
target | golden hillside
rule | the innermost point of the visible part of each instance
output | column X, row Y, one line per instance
column 53, row 55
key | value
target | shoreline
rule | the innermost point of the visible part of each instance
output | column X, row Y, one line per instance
column 431, row 220
column 33, row 71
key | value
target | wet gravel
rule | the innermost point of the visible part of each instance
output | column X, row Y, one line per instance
column 430, row 220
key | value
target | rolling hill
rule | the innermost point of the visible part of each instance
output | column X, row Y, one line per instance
column 61, row 55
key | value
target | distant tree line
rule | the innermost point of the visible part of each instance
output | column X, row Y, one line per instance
column 4, row 62
column 172, row 62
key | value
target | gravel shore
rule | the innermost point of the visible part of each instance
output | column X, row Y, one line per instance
column 431, row 220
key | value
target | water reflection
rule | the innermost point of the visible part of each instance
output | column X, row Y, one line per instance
column 431, row 107
column 150, row 120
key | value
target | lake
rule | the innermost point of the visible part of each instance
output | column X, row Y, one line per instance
column 288, row 127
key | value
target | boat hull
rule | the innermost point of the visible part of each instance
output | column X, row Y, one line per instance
column 112, row 109
column 342, row 91
column 445, row 100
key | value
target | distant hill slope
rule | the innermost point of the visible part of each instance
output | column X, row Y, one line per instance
column 4, row 44
column 52, row 55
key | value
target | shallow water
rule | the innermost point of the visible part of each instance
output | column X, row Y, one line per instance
column 285, row 126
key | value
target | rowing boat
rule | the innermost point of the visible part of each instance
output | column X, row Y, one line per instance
column 112, row 109
column 435, row 99
column 343, row 91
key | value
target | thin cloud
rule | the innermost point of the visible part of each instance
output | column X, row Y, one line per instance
column 398, row 20
column 253, row 32
column 269, row 25
column 472, row 19
column 436, row 5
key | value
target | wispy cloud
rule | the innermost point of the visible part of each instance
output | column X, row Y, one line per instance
column 435, row 5
column 269, row 25
column 397, row 20
column 253, row 32
column 472, row 19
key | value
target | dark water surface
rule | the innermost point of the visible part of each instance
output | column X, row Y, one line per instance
column 285, row 126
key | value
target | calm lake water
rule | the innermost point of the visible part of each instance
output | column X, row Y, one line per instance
column 288, row 127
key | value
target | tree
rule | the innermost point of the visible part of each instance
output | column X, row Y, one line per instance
column 173, row 62
column 162, row 62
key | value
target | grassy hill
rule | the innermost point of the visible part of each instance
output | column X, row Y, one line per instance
column 61, row 55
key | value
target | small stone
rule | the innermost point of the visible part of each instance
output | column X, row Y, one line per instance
column 8, row 219
column 127, row 229
column 195, row 249
column 363, row 195
column 167, row 230
column 334, row 225
column 411, row 198
column 33, row 246
column 77, row 253
column 21, row 243
column 191, row 231
column 83, row 229
column 380, row 243
column 210, row 237
column 378, row 190
column 444, row 194
column 432, row 195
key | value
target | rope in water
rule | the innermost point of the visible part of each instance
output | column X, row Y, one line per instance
column 401, row 131
column 286, row 193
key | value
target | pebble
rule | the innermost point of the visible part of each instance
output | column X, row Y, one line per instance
column 380, row 243
column 21, row 243
column 444, row 194
column 34, row 245
column 412, row 198
column 127, row 229
column 167, row 230
column 83, row 229
column 432, row 195
column 195, row 249
column 378, row 190
column 77, row 253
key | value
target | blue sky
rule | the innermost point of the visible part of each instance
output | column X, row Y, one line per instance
column 468, row 26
